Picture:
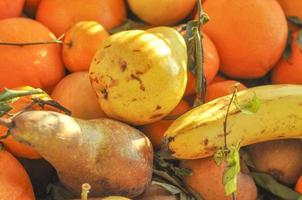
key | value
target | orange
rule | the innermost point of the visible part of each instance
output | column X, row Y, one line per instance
column 14, row 147
column 39, row 66
column 250, row 35
column 156, row 130
column 211, row 65
column 83, row 39
column 31, row 7
column 14, row 181
column 76, row 94
column 162, row 12
column 298, row 186
column 291, row 8
column 222, row 88
column 60, row 15
column 289, row 71
column 10, row 8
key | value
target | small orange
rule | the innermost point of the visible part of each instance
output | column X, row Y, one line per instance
column 76, row 94
column 292, row 8
column 211, row 65
column 298, row 186
column 162, row 12
column 10, row 8
column 222, row 88
column 39, row 66
column 83, row 40
column 31, row 7
column 289, row 71
column 250, row 35
column 14, row 147
column 156, row 130
column 60, row 15
column 14, row 181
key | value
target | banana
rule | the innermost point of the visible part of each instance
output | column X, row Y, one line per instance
column 199, row 132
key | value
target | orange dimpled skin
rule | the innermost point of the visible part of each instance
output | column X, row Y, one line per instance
column 289, row 71
column 14, row 181
column 39, row 66
column 298, row 186
column 60, row 15
column 222, row 88
column 250, row 35
column 10, row 8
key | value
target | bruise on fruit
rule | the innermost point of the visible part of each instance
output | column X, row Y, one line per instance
column 134, row 99
column 136, row 50
column 158, row 107
column 93, row 78
column 262, row 131
column 105, row 93
column 235, row 112
column 156, row 115
column 123, row 64
column 205, row 142
column 96, row 61
column 135, row 77
column 107, row 46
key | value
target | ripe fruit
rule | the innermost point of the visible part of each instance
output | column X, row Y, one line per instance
column 156, row 130
column 39, row 66
column 211, row 65
column 218, row 78
column 221, row 89
column 60, row 15
column 9, row 8
column 207, row 181
column 14, row 181
column 82, row 39
column 298, row 186
column 76, row 94
column 114, row 158
column 289, row 71
column 291, row 8
column 199, row 132
column 281, row 158
column 140, row 76
column 31, row 7
column 250, row 35
column 162, row 12
column 13, row 146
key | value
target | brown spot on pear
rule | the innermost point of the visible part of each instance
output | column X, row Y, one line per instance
column 114, row 158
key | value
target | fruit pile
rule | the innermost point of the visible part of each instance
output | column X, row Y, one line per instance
column 150, row 100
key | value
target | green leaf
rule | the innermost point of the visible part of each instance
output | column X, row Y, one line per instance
column 4, row 108
column 59, row 192
column 232, row 170
column 268, row 183
column 295, row 20
column 288, row 48
column 9, row 95
column 299, row 40
column 219, row 156
column 249, row 107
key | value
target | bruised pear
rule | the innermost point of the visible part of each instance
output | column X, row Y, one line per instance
column 114, row 158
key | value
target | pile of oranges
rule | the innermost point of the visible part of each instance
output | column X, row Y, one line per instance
column 49, row 44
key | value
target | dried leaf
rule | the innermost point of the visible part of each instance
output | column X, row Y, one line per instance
column 295, row 20
column 268, row 183
column 59, row 192
column 299, row 40
column 288, row 48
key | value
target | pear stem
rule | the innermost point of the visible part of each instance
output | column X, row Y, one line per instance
column 85, row 190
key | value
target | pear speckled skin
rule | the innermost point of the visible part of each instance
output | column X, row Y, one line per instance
column 114, row 158
column 140, row 76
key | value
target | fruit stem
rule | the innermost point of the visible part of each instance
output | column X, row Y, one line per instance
column 201, row 81
column 85, row 190
column 32, row 43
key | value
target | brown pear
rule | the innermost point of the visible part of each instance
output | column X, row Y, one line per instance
column 114, row 158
